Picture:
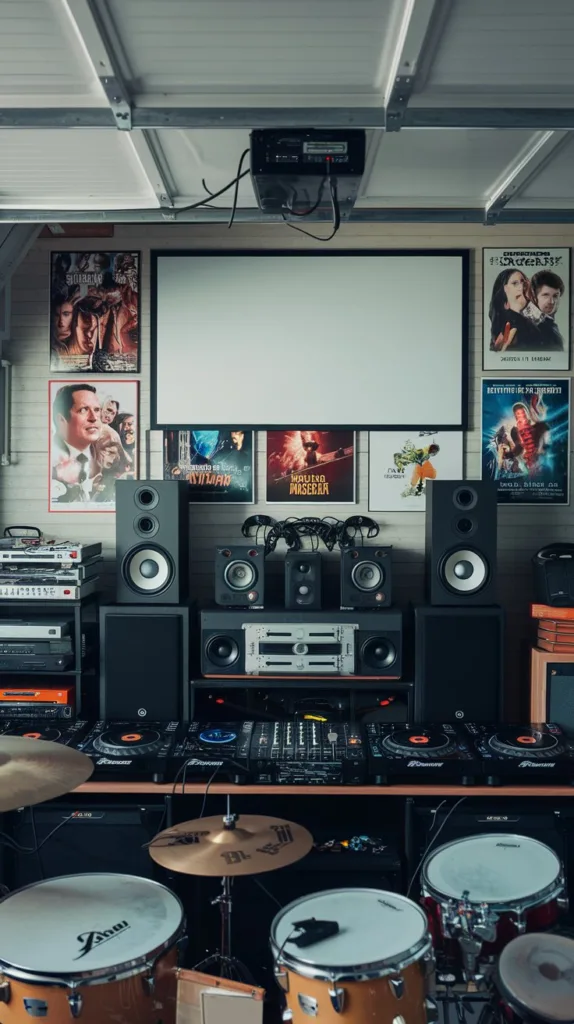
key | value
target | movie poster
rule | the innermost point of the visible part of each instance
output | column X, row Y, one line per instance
column 218, row 464
column 526, row 309
column 401, row 462
column 94, row 312
column 94, row 441
column 525, row 439
column 311, row 467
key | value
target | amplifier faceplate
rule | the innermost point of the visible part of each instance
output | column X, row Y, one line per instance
column 321, row 648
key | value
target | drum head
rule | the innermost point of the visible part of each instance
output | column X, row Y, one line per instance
column 493, row 869
column 376, row 929
column 536, row 976
column 86, row 924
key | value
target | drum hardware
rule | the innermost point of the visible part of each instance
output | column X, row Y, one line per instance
column 75, row 1002
column 32, row 772
column 535, row 979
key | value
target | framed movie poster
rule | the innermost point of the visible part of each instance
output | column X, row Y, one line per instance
column 218, row 464
column 525, row 439
column 401, row 462
column 94, row 441
column 311, row 467
column 526, row 309
column 95, row 312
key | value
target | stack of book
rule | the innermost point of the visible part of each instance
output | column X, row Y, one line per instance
column 554, row 628
column 57, row 571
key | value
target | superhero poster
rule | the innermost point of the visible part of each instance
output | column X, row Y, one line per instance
column 94, row 312
column 94, row 441
column 526, row 309
column 311, row 467
column 525, row 439
column 218, row 464
column 401, row 462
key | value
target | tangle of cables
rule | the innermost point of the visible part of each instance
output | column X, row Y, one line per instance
column 330, row 531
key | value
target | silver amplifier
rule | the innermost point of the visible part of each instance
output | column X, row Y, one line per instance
column 310, row 649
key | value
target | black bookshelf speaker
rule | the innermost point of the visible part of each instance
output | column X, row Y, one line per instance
column 366, row 577
column 460, row 536
column 144, row 662
column 152, row 541
column 303, row 580
column 240, row 576
column 458, row 664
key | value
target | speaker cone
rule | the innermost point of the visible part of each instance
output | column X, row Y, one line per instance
column 146, row 497
column 222, row 651
column 378, row 653
column 146, row 526
column 148, row 570
column 464, row 571
column 465, row 497
column 367, row 576
column 240, row 575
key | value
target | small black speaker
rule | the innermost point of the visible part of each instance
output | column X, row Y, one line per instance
column 461, row 518
column 144, row 662
column 152, row 541
column 240, row 577
column 303, row 580
column 366, row 577
column 554, row 576
column 458, row 664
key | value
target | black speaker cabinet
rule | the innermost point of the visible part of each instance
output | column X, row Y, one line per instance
column 240, row 576
column 461, row 518
column 152, row 541
column 276, row 645
column 144, row 662
column 303, row 580
column 554, row 576
column 366, row 577
column 458, row 664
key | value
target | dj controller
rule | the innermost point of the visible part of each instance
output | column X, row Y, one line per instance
column 301, row 752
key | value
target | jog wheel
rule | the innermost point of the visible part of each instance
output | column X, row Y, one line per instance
column 119, row 742
column 36, row 732
column 425, row 743
column 525, row 742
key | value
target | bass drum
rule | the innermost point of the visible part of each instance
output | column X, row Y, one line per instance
column 375, row 968
column 535, row 979
column 97, row 947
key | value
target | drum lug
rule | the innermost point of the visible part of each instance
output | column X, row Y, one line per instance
column 431, row 1008
column 282, row 978
column 399, row 1020
column 148, row 981
column 287, row 1015
column 5, row 992
column 563, row 903
column 75, row 1002
column 397, row 987
column 430, row 963
column 337, row 997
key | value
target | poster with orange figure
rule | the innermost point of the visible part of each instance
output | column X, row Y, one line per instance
column 401, row 462
column 311, row 467
column 95, row 312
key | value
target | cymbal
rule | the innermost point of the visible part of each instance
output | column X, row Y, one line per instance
column 252, row 845
column 35, row 770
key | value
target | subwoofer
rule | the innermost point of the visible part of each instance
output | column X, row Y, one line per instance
column 240, row 577
column 366, row 577
column 303, row 580
column 152, row 541
column 460, row 527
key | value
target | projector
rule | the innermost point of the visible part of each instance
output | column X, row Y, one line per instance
column 295, row 170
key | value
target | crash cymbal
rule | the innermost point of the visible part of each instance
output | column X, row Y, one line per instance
column 35, row 770
column 249, row 845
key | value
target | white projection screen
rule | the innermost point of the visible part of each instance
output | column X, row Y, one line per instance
column 266, row 340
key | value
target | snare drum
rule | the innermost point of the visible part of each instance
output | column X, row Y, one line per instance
column 374, row 968
column 98, row 947
column 486, row 889
column 535, row 979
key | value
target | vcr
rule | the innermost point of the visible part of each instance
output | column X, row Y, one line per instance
column 307, row 753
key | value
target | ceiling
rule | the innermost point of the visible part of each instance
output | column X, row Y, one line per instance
column 117, row 109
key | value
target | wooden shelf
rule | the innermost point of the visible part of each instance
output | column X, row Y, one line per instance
column 198, row 788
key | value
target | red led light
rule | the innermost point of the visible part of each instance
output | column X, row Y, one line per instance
column 73, row 554
column 219, row 700
column 67, row 591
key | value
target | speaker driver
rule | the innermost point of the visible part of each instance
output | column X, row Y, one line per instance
column 464, row 571
column 465, row 497
column 240, row 575
column 367, row 576
column 148, row 570
column 378, row 653
column 222, row 651
column 146, row 497
column 146, row 526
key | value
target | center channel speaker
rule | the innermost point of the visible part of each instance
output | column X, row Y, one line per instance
column 366, row 580
column 240, row 577
column 461, row 522
column 152, row 541
column 303, row 580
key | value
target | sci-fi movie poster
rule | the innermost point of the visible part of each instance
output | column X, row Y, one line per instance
column 310, row 467
column 526, row 309
column 525, row 439
column 401, row 462
column 94, row 312
column 218, row 464
column 94, row 441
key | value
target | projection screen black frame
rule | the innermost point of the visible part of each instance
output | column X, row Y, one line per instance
column 462, row 254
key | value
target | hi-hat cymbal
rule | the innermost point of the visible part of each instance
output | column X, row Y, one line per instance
column 35, row 770
column 253, row 844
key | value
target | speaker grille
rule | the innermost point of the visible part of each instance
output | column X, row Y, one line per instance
column 148, row 570
column 464, row 571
